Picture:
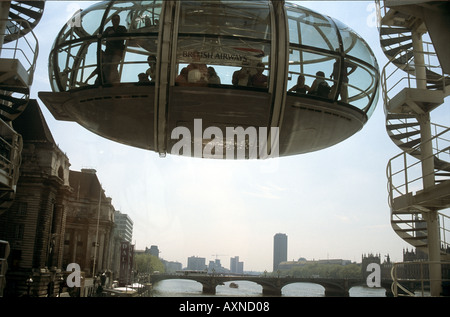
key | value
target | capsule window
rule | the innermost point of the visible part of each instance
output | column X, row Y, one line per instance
column 224, row 43
column 322, row 46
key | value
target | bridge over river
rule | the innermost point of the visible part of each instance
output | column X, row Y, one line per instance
column 271, row 286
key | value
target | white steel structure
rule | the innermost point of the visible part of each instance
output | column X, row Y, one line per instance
column 415, row 82
column 18, row 54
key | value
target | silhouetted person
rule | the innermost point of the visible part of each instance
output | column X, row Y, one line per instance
column 182, row 77
column 197, row 73
column 241, row 77
column 213, row 78
column 300, row 87
column 319, row 86
column 151, row 71
column 114, row 49
column 143, row 78
column 259, row 80
column 344, row 84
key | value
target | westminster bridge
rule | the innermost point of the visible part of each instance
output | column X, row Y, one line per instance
column 271, row 286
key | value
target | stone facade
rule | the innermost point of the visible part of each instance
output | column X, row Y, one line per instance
column 89, row 208
column 56, row 218
column 34, row 225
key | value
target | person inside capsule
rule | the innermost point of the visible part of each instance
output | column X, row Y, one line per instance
column 151, row 71
column 335, row 75
column 320, row 87
column 300, row 87
column 114, row 50
column 241, row 77
column 259, row 80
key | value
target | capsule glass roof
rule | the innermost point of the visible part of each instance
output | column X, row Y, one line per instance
column 225, row 35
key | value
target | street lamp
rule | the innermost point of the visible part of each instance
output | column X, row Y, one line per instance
column 95, row 290
column 29, row 282
column 61, row 285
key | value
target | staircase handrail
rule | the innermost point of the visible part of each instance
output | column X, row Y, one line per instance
column 380, row 9
column 423, row 279
column 17, row 48
column 388, row 87
column 405, row 167
column 3, row 264
column 444, row 222
column 445, row 231
column 10, row 152
column 411, row 184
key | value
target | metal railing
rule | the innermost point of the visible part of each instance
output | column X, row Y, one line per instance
column 412, row 223
column 10, row 153
column 412, row 278
column 430, row 56
column 392, row 81
column 405, row 176
column 23, row 48
column 404, row 172
column 4, row 253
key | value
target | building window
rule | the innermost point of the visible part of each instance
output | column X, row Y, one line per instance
column 22, row 209
column 18, row 231
column 61, row 172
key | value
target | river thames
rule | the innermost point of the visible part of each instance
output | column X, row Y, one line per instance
column 184, row 288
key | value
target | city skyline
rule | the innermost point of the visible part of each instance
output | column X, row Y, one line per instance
column 219, row 258
column 331, row 203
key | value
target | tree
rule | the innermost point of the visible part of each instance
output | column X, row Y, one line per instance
column 146, row 263
column 325, row 270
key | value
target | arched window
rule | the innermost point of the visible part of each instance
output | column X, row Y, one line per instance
column 61, row 172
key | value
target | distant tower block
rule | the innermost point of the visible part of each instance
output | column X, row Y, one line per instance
column 279, row 250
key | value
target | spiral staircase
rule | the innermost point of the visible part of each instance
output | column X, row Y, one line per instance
column 415, row 83
column 18, row 55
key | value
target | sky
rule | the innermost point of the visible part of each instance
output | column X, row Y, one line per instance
column 331, row 203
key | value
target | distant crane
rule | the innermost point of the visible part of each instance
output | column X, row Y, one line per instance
column 217, row 255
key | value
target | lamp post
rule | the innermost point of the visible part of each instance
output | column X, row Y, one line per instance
column 61, row 285
column 95, row 291
column 96, row 233
column 81, row 286
column 29, row 282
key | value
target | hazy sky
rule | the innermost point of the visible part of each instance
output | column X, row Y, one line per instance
column 331, row 203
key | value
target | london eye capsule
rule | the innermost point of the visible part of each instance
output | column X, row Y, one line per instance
column 223, row 79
